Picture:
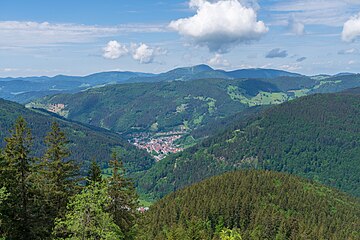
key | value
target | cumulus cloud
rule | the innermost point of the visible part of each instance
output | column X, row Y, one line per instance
column 277, row 53
column 143, row 53
column 301, row 59
column 218, row 61
column 351, row 51
column 220, row 25
column 114, row 50
column 351, row 29
column 296, row 27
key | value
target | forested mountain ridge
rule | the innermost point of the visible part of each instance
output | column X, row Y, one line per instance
column 258, row 205
column 86, row 142
column 317, row 137
column 169, row 106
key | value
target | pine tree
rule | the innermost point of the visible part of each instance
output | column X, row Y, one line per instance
column 124, row 202
column 58, row 178
column 16, row 168
column 94, row 174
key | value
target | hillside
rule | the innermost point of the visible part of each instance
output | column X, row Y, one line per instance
column 317, row 137
column 260, row 204
column 86, row 142
column 164, row 106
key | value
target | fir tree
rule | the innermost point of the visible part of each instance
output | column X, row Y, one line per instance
column 124, row 202
column 58, row 178
column 16, row 168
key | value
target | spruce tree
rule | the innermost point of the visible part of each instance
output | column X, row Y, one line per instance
column 124, row 202
column 15, row 171
column 58, row 177
column 94, row 174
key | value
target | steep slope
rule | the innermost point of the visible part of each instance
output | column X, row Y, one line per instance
column 260, row 204
column 86, row 142
column 317, row 137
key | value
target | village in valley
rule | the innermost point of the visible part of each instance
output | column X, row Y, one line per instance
column 160, row 144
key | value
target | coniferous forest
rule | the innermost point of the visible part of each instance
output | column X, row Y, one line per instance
column 46, row 197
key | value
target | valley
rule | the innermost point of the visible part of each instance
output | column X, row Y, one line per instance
column 180, row 120
column 159, row 145
column 175, row 139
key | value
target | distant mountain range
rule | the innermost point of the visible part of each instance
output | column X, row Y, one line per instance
column 25, row 89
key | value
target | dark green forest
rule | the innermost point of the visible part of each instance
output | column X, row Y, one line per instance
column 259, row 205
column 317, row 137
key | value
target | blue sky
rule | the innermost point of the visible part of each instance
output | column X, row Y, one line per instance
column 80, row 37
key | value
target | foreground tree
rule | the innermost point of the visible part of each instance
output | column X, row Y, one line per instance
column 15, row 172
column 124, row 200
column 58, row 177
column 86, row 217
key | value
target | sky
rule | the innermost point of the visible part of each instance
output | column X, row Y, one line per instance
column 42, row 37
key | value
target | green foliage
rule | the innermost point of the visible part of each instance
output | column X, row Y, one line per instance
column 317, row 137
column 255, row 205
column 86, row 216
column 228, row 234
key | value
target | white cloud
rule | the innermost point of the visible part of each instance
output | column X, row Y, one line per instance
column 351, row 62
column 114, row 50
column 218, row 61
column 143, row 53
column 351, row 29
column 295, row 26
column 20, row 34
column 220, row 25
